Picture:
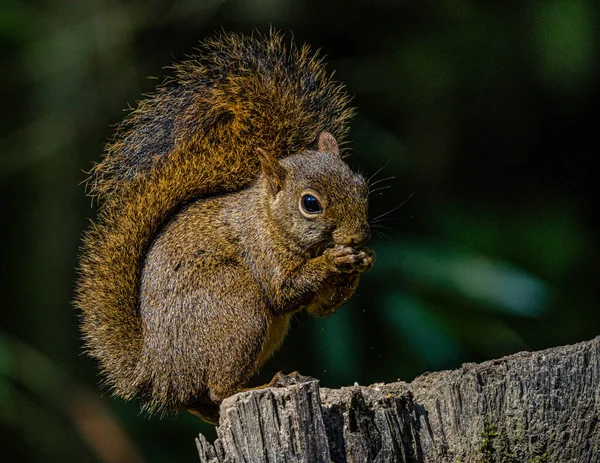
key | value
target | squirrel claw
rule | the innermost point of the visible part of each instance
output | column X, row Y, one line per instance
column 282, row 380
column 367, row 257
column 299, row 378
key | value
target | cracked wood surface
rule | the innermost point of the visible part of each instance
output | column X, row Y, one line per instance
column 531, row 407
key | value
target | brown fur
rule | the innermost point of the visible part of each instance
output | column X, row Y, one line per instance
column 190, row 273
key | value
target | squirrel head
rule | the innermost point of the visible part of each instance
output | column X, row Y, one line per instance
column 314, row 198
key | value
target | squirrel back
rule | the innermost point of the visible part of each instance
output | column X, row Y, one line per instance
column 196, row 136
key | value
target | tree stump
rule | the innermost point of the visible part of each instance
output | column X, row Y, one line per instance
column 539, row 407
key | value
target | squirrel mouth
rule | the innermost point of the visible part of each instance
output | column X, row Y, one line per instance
column 320, row 247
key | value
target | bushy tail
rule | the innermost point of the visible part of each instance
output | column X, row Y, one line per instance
column 196, row 135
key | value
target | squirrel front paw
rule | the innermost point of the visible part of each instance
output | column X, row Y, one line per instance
column 345, row 259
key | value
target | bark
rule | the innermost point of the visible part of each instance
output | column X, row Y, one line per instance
column 538, row 407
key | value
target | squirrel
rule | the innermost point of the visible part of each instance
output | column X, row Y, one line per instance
column 225, row 207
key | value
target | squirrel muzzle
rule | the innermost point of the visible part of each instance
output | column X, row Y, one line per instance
column 355, row 238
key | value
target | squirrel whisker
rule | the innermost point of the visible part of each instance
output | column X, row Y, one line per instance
column 376, row 219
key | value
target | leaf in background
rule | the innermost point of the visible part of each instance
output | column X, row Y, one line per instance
column 496, row 285
column 565, row 41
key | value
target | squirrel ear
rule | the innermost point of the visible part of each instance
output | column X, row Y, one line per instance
column 272, row 169
column 328, row 144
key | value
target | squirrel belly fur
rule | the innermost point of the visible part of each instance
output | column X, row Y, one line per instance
column 224, row 208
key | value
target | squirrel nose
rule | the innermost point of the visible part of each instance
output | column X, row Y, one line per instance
column 358, row 239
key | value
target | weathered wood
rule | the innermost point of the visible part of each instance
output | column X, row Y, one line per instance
column 538, row 407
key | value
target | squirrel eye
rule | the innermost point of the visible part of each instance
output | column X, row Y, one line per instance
column 310, row 204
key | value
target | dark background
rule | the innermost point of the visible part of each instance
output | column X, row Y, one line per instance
column 485, row 115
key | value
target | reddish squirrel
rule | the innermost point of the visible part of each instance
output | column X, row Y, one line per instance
column 225, row 208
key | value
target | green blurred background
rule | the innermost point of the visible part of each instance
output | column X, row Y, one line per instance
column 483, row 114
